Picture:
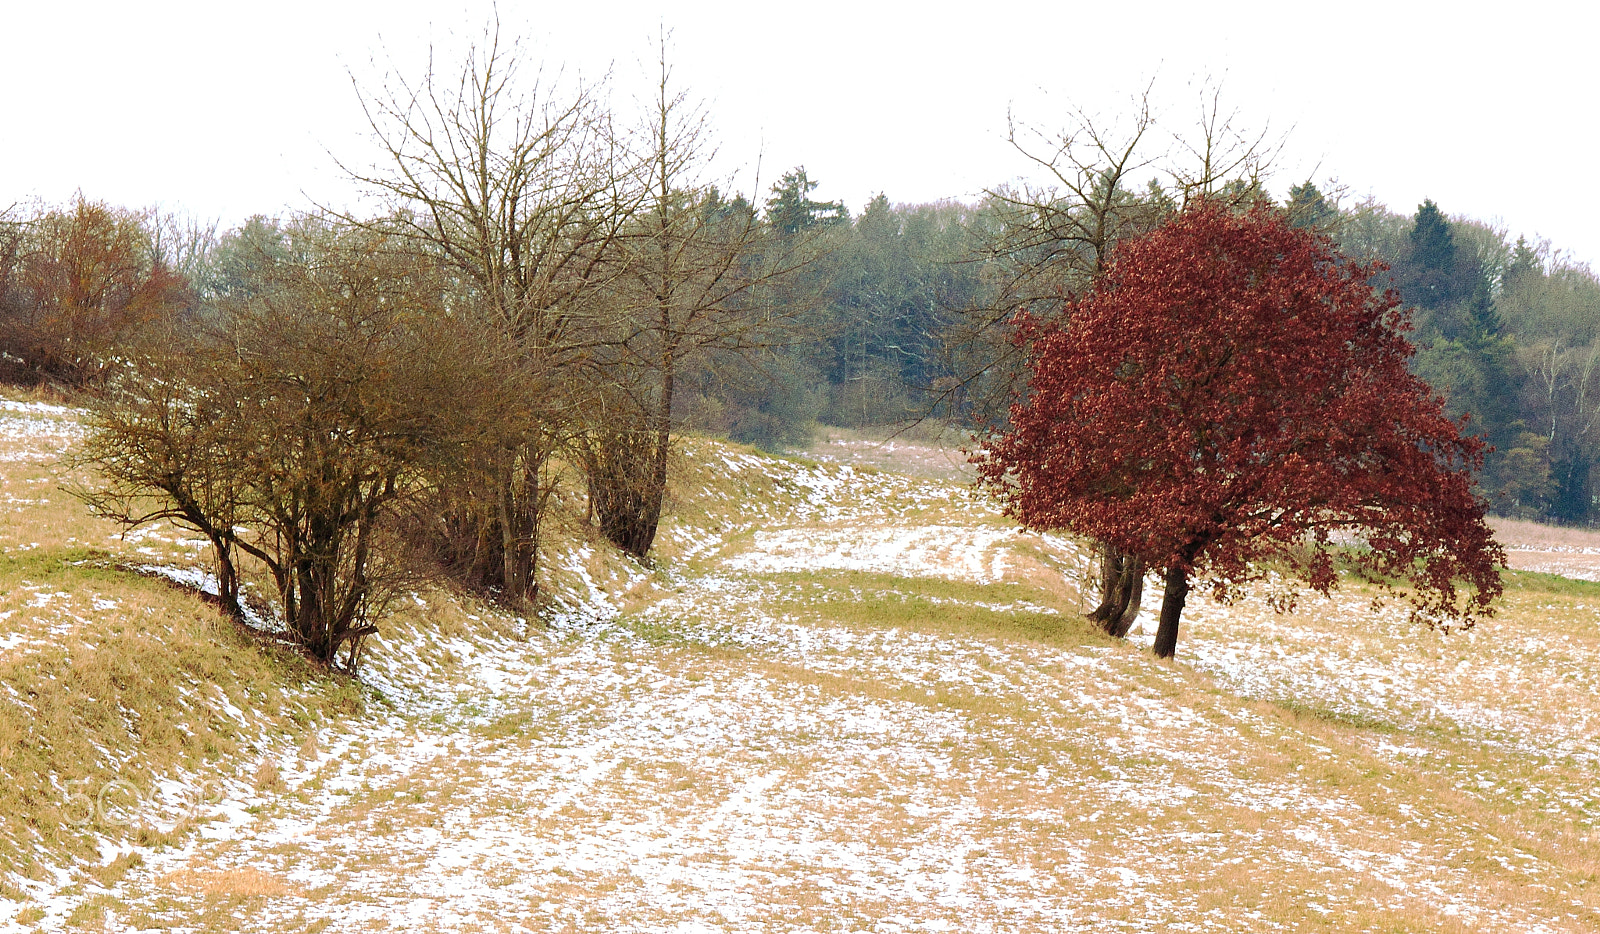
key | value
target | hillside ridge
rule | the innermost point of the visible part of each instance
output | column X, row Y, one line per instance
column 842, row 697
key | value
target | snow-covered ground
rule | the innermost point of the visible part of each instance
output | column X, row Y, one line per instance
column 36, row 431
column 731, row 741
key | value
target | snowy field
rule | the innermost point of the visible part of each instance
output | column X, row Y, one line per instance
column 818, row 713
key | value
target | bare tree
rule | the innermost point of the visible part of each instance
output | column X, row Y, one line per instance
column 1219, row 160
column 182, row 244
column 12, row 303
column 294, row 429
column 162, row 448
column 696, row 271
column 522, row 187
column 1055, row 240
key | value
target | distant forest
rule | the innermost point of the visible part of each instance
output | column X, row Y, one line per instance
column 882, row 326
column 613, row 297
column 1508, row 331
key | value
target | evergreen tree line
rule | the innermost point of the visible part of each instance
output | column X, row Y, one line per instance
column 1508, row 331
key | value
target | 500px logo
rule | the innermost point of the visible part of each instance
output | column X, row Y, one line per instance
column 114, row 803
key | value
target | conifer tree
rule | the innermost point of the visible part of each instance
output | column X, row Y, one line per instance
column 1432, row 258
column 1525, row 264
column 790, row 210
column 1308, row 207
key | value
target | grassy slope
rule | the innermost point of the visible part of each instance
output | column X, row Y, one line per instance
column 845, row 700
column 124, row 701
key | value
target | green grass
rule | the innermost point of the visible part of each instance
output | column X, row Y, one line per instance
column 929, row 605
column 1358, row 720
column 1538, row 582
column 84, row 565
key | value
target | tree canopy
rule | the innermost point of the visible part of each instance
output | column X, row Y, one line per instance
column 1235, row 391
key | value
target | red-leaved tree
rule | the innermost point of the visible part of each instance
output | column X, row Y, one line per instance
column 1233, row 398
column 86, row 281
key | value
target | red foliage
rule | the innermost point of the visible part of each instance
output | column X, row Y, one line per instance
column 85, row 280
column 1235, row 391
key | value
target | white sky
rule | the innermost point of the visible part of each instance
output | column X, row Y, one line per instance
column 224, row 110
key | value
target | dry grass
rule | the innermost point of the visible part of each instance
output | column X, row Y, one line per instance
column 244, row 883
column 121, row 697
column 112, row 683
column 1521, row 533
column 930, row 451
column 1530, row 546
column 802, row 719
column 111, row 873
column 267, row 777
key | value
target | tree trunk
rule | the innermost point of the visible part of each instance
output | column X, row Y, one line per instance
column 508, row 540
column 1132, row 583
column 227, row 577
column 1121, row 590
column 518, row 507
column 620, row 464
column 1171, row 610
column 656, row 491
column 1110, row 569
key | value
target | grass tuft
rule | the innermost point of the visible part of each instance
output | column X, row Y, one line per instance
column 1554, row 584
